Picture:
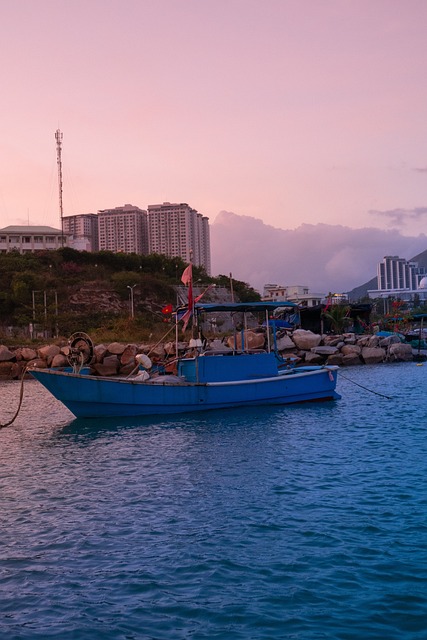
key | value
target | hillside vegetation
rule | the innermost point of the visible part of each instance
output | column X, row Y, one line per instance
column 60, row 292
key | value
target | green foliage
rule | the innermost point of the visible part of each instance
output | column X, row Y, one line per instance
column 26, row 280
column 338, row 317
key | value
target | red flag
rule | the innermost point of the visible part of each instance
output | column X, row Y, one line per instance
column 187, row 275
column 167, row 309
column 187, row 278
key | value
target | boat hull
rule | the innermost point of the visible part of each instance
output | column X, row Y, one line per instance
column 95, row 397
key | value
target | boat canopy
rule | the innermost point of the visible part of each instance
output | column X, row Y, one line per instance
column 246, row 307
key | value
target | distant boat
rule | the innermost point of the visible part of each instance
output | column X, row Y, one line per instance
column 207, row 379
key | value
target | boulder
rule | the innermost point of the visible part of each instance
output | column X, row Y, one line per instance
column 111, row 361
column 400, row 351
column 335, row 358
column 351, row 349
column 37, row 363
column 284, row 343
column 325, row 351
column 373, row 355
column 332, row 341
column 27, row 354
column 59, row 361
column 252, row 340
column 48, row 353
column 389, row 340
column 169, row 348
column 373, row 341
column 5, row 354
column 126, row 369
column 313, row 358
column 128, row 355
column 306, row 340
column 349, row 359
column 99, row 352
column 116, row 348
column 349, row 338
column 6, row 369
column 17, row 369
column 105, row 369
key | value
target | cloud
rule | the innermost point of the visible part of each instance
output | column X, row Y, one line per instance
column 420, row 169
column 399, row 217
column 321, row 256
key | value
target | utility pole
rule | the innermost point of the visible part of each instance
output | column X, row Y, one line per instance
column 58, row 137
column 132, row 308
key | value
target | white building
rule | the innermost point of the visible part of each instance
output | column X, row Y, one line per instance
column 83, row 231
column 292, row 293
column 396, row 277
column 31, row 238
column 123, row 229
column 177, row 230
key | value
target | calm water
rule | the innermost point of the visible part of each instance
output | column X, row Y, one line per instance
column 298, row 522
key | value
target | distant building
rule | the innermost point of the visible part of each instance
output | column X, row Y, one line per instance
column 31, row 238
column 396, row 277
column 177, row 230
column 123, row 229
column 83, row 231
column 294, row 293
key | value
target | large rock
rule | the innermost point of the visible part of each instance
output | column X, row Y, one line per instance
column 116, row 348
column 351, row 349
column 252, row 340
column 284, row 343
column 48, row 353
column 99, row 352
column 374, row 341
column 373, row 355
column 325, row 351
column 400, row 351
column 332, row 341
column 6, row 369
column 26, row 354
column 306, row 340
column 128, row 355
column 335, row 358
column 59, row 361
column 313, row 358
column 37, row 363
column 5, row 354
column 351, row 358
column 105, row 369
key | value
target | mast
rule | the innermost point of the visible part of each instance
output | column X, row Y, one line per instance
column 58, row 137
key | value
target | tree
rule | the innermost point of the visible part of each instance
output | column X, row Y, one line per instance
column 338, row 316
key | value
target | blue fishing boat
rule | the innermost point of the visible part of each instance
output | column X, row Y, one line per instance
column 204, row 379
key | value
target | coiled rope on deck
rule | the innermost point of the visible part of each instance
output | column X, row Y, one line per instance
column 21, row 397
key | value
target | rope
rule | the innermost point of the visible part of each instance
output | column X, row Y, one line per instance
column 21, row 396
column 365, row 388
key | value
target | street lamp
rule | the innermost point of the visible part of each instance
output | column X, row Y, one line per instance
column 131, row 288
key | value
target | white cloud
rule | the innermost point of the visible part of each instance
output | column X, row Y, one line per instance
column 321, row 256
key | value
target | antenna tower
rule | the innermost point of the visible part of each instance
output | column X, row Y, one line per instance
column 58, row 137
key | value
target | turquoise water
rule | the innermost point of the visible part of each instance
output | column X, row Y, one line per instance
column 298, row 522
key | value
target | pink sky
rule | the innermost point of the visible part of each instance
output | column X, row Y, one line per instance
column 291, row 111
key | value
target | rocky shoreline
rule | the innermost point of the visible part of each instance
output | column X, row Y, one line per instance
column 299, row 346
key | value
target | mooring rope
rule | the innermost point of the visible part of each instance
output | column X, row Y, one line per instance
column 21, row 396
column 365, row 388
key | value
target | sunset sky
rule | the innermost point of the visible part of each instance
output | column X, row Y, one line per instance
column 289, row 111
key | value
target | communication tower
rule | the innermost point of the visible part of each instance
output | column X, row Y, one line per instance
column 58, row 137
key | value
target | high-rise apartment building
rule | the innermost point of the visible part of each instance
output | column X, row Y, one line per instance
column 83, row 231
column 177, row 230
column 395, row 273
column 123, row 229
column 398, row 277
